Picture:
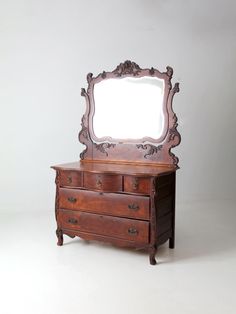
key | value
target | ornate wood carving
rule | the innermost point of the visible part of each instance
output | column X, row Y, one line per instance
column 103, row 147
column 173, row 135
column 59, row 232
column 103, row 74
column 173, row 131
column 127, row 67
column 89, row 78
column 84, row 137
column 169, row 71
column 156, row 151
column 57, row 182
column 152, row 71
column 151, row 149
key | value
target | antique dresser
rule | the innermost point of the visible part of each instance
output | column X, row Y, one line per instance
column 122, row 191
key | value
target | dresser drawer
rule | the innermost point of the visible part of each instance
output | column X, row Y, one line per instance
column 70, row 178
column 103, row 182
column 133, row 184
column 105, row 203
column 123, row 228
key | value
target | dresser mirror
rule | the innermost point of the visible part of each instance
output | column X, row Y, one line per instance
column 129, row 116
column 122, row 190
column 122, row 105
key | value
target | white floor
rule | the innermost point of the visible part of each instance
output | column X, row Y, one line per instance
column 199, row 276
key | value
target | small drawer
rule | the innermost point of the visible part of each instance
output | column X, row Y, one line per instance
column 113, row 204
column 122, row 228
column 70, row 178
column 103, row 182
column 133, row 184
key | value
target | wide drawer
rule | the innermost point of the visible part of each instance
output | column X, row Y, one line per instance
column 103, row 182
column 70, row 178
column 123, row 228
column 135, row 184
column 105, row 203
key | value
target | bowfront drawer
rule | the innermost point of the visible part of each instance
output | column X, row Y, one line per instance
column 103, row 182
column 123, row 228
column 134, row 184
column 70, row 178
column 105, row 203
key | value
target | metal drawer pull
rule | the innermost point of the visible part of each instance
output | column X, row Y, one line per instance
column 69, row 180
column 132, row 231
column 72, row 220
column 72, row 199
column 133, row 206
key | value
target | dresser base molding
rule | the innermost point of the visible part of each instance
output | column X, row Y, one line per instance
column 111, row 240
column 118, row 242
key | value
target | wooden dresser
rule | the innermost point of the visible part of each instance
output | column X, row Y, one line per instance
column 121, row 191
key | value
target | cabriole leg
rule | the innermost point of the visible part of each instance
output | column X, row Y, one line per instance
column 172, row 242
column 59, row 234
column 152, row 254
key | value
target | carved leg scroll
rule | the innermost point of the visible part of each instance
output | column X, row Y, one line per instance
column 152, row 253
column 59, row 234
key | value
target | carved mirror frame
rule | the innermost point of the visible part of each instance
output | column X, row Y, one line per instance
column 145, row 150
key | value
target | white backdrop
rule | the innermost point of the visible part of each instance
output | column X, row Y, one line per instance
column 46, row 49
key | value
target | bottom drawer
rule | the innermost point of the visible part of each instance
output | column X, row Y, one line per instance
column 123, row 228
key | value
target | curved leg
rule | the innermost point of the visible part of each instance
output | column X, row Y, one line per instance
column 152, row 253
column 59, row 237
column 172, row 242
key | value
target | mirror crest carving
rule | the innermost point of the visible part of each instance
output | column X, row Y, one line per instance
column 146, row 89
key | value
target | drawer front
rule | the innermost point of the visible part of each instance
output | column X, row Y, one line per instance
column 137, row 184
column 105, row 203
column 123, row 228
column 103, row 182
column 70, row 178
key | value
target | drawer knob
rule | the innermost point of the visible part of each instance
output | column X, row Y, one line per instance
column 69, row 180
column 133, row 206
column 72, row 221
column 132, row 231
column 72, row 199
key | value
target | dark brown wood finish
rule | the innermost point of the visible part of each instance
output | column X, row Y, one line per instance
column 158, row 150
column 135, row 184
column 71, row 178
column 103, row 182
column 130, row 206
column 121, row 228
column 121, row 192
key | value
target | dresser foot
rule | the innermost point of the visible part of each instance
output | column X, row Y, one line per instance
column 172, row 243
column 152, row 253
column 59, row 234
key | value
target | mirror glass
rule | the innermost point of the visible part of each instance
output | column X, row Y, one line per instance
column 129, row 108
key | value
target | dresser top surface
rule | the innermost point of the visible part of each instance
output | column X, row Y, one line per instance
column 117, row 168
